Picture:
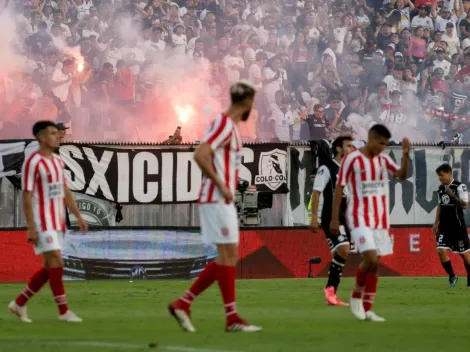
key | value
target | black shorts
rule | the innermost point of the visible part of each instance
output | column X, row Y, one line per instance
column 342, row 239
column 454, row 238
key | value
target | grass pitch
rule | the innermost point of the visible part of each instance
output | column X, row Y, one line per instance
column 423, row 314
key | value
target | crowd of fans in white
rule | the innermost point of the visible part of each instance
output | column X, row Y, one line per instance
column 322, row 68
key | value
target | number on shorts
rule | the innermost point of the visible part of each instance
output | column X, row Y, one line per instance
column 440, row 238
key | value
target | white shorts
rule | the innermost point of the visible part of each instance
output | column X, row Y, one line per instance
column 367, row 239
column 219, row 223
column 49, row 241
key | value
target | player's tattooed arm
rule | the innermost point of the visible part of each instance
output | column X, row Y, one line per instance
column 402, row 173
column 462, row 198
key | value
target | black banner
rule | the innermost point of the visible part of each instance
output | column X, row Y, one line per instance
column 152, row 175
column 412, row 201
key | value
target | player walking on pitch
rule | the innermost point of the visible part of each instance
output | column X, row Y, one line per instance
column 325, row 183
column 365, row 174
column 45, row 194
column 449, row 227
column 219, row 158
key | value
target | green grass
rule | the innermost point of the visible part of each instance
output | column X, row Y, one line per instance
column 423, row 314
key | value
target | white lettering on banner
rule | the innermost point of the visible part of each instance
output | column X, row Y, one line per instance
column 373, row 188
column 187, row 168
column 141, row 160
column 69, row 153
column 123, row 177
column 414, row 242
column 167, row 177
column 99, row 168
column 248, row 156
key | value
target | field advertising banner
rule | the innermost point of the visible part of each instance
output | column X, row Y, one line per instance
column 168, row 254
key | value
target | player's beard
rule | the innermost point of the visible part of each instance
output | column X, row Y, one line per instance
column 246, row 115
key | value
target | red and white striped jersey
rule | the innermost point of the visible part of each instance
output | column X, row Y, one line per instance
column 225, row 141
column 46, row 179
column 366, row 180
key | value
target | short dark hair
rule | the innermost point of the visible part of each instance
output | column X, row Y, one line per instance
column 446, row 168
column 241, row 91
column 317, row 106
column 338, row 143
column 381, row 131
column 40, row 126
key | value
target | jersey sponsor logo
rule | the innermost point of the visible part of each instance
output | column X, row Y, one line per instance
column 373, row 188
column 56, row 190
column 445, row 199
column 272, row 169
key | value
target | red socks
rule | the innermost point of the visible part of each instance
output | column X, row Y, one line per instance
column 369, row 291
column 204, row 281
column 36, row 282
column 225, row 275
column 360, row 283
column 226, row 279
column 57, row 288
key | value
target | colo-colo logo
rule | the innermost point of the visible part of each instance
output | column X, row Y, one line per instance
column 151, row 175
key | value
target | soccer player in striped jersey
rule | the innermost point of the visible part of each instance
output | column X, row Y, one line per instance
column 219, row 157
column 365, row 174
column 45, row 195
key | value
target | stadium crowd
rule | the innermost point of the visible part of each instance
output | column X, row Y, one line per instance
column 322, row 68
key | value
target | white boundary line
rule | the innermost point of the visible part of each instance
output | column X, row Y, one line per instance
column 127, row 346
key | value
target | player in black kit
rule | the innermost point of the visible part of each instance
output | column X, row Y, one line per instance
column 325, row 183
column 449, row 226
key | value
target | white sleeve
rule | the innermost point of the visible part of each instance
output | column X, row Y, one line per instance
column 462, row 193
column 321, row 179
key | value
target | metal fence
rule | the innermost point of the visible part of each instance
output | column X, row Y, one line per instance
column 180, row 215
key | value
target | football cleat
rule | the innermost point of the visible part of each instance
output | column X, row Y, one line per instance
column 70, row 317
column 453, row 281
column 357, row 308
column 330, row 296
column 19, row 311
column 182, row 316
column 371, row 316
column 242, row 326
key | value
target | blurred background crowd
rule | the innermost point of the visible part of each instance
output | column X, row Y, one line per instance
column 136, row 70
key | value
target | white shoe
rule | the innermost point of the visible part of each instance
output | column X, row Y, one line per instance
column 70, row 317
column 371, row 316
column 357, row 309
column 19, row 311
column 243, row 327
column 183, row 318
